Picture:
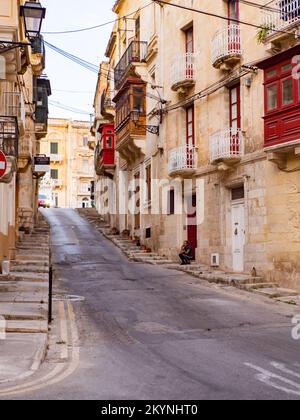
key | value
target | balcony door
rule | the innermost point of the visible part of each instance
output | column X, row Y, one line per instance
column 189, row 49
column 190, row 135
column 233, row 25
column 235, row 118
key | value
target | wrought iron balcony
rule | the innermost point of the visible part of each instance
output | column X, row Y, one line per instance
column 226, row 145
column 281, row 15
column 183, row 72
column 135, row 53
column 226, row 45
column 9, row 135
column 183, row 161
column 107, row 104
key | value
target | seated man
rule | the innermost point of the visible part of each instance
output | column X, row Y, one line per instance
column 186, row 254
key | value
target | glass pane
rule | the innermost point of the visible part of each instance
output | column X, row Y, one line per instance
column 287, row 92
column 271, row 73
column 286, row 68
column 272, row 97
column 234, row 125
column 234, row 112
column 234, row 96
column 190, row 114
column 190, row 129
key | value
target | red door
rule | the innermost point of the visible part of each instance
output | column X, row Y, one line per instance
column 192, row 223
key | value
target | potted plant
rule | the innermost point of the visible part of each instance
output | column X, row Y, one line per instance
column 263, row 32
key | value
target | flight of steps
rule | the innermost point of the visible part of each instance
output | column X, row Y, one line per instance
column 200, row 271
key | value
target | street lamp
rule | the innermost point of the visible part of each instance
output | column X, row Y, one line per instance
column 33, row 14
column 135, row 117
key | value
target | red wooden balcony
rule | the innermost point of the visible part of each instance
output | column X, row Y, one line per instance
column 105, row 150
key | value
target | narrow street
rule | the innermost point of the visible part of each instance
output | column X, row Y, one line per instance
column 150, row 333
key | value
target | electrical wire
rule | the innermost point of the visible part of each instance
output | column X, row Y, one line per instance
column 69, row 108
column 98, row 26
column 203, row 12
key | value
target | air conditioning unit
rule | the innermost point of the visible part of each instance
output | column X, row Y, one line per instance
column 215, row 260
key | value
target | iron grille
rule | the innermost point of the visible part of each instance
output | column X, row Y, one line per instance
column 9, row 136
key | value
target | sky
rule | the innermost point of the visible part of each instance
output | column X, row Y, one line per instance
column 68, row 78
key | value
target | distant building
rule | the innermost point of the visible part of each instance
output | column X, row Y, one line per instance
column 69, row 182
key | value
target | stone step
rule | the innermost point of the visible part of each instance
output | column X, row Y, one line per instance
column 27, row 327
column 24, row 286
column 23, row 311
column 31, row 262
column 259, row 285
column 276, row 292
column 29, row 269
column 29, row 257
column 31, row 277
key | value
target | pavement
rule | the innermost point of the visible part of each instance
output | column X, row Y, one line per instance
column 132, row 330
column 24, row 308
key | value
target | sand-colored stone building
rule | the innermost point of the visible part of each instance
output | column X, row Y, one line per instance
column 68, row 184
column 24, row 95
column 211, row 98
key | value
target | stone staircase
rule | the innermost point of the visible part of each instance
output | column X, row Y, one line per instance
column 200, row 271
column 24, row 291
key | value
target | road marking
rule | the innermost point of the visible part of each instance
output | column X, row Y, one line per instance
column 60, row 372
column 281, row 366
column 265, row 376
column 63, row 330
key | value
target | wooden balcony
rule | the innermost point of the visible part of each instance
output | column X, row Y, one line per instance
column 130, row 139
column 226, row 47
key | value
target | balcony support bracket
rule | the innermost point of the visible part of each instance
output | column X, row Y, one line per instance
column 280, row 159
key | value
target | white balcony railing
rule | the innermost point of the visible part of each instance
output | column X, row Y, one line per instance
column 226, row 144
column 56, row 158
column 281, row 14
column 183, row 69
column 57, row 183
column 226, row 43
column 12, row 105
column 183, row 159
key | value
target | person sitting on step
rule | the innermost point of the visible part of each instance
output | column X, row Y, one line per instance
column 186, row 253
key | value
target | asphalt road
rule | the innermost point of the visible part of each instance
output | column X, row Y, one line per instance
column 146, row 332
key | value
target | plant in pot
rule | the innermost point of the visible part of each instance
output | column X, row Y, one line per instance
column 263, row 32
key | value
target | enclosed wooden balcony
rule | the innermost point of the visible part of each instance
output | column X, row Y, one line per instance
column 105, row 150
column 183, row 73
column 226, row 47
column 227, row 146
column 183, row 161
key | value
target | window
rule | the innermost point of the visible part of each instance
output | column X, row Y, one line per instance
column 281, row 89
column 148, row 183
column 109, row 142
column 238, row 193
column 138, row 99
column 85, row 166
column 171, row 202
column 85, row 141
column 287, row 92
column 189, row 40
column 235, row 107
column 190, row 129
column 54, row 148
column 54, row 174
column 233, row 10
column 272, row 97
